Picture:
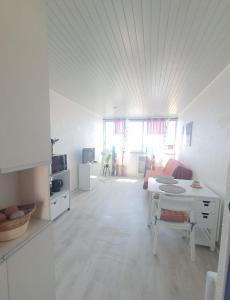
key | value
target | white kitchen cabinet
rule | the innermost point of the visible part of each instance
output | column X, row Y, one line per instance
column 24, row 85
column 59, row 204
column 60, row 201
column 88, row 175
column 31, row 269
column 3, row 282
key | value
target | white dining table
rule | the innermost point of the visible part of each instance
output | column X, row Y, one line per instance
column 153, row 186
column 206, row 204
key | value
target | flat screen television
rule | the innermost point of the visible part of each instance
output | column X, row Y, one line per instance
column 88, row 155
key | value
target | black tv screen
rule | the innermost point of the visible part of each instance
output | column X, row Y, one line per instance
column 88, row 155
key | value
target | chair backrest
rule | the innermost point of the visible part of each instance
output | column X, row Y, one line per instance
column 176, row 203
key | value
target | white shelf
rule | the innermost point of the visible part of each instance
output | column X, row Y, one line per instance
column 35, row 227
column 60, row 201
column 58, row 194
column 59, row 173
column 24, row 167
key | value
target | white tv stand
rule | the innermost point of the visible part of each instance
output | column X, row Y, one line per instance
column 60, row 201
column 88, row 174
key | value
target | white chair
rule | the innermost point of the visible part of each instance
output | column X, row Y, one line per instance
column 176, row 213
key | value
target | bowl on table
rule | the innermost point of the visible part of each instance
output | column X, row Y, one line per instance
column 196, row 184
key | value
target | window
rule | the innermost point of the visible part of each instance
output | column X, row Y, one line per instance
column 170, row 133
column 154, row 143
column 152, row 136
column 112, row 139
column 135, row 136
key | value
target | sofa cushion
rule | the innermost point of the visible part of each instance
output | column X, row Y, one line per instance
column 172, row 168
column 176, row 169
column 181, row 172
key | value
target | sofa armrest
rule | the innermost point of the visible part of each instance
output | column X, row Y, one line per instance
column 151, row 173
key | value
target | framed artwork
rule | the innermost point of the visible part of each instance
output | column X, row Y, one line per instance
column 187, row 134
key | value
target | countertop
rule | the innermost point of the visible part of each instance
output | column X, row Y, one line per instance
column 10, row 247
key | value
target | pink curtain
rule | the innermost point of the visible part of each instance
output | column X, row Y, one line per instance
column 156, row 126
column 119, row 126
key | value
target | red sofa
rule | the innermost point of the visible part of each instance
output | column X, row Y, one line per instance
column 172, row 168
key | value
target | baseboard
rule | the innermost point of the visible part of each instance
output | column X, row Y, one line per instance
column 74, row 192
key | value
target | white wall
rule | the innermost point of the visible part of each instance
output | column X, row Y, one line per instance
column 209, row 153
column 8, row 189
column 76, row 127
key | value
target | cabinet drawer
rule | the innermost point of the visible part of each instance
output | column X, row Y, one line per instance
column 205, row 219
column 54, row 209
column 64, row 201
column 59, row 204
column 206, row 206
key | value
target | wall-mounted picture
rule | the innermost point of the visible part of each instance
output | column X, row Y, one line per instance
column 187, row 134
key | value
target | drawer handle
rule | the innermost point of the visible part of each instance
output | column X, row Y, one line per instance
column 206, row 203
column 205, row 215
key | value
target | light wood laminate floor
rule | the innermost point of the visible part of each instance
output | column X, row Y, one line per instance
column 103, row 250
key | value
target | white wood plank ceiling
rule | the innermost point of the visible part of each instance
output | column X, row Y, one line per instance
column 136, row 57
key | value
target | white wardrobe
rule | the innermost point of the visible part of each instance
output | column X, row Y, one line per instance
column 24, row 85
column 26, row 264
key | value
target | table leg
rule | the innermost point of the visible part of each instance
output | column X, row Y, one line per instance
column 153, row 198
column 150, row 209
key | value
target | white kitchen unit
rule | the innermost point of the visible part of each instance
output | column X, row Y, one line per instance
column 28, row 264
column 60, row 201
column 25, row 148
column 88, row 176
column 31, row 269
column 24, row 86
column 3, row 281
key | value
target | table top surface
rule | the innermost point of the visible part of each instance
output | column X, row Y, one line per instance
column 34, row 228
column 205, row 192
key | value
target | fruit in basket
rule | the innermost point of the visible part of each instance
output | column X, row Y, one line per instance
column 12, row 229
column 2, row 217
column 10, row 210
column 17, row 214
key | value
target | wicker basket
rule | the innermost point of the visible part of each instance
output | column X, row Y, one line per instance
column 12, row 229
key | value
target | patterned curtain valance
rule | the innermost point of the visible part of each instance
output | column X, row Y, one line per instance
column 119, row 126
column 156, row 126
